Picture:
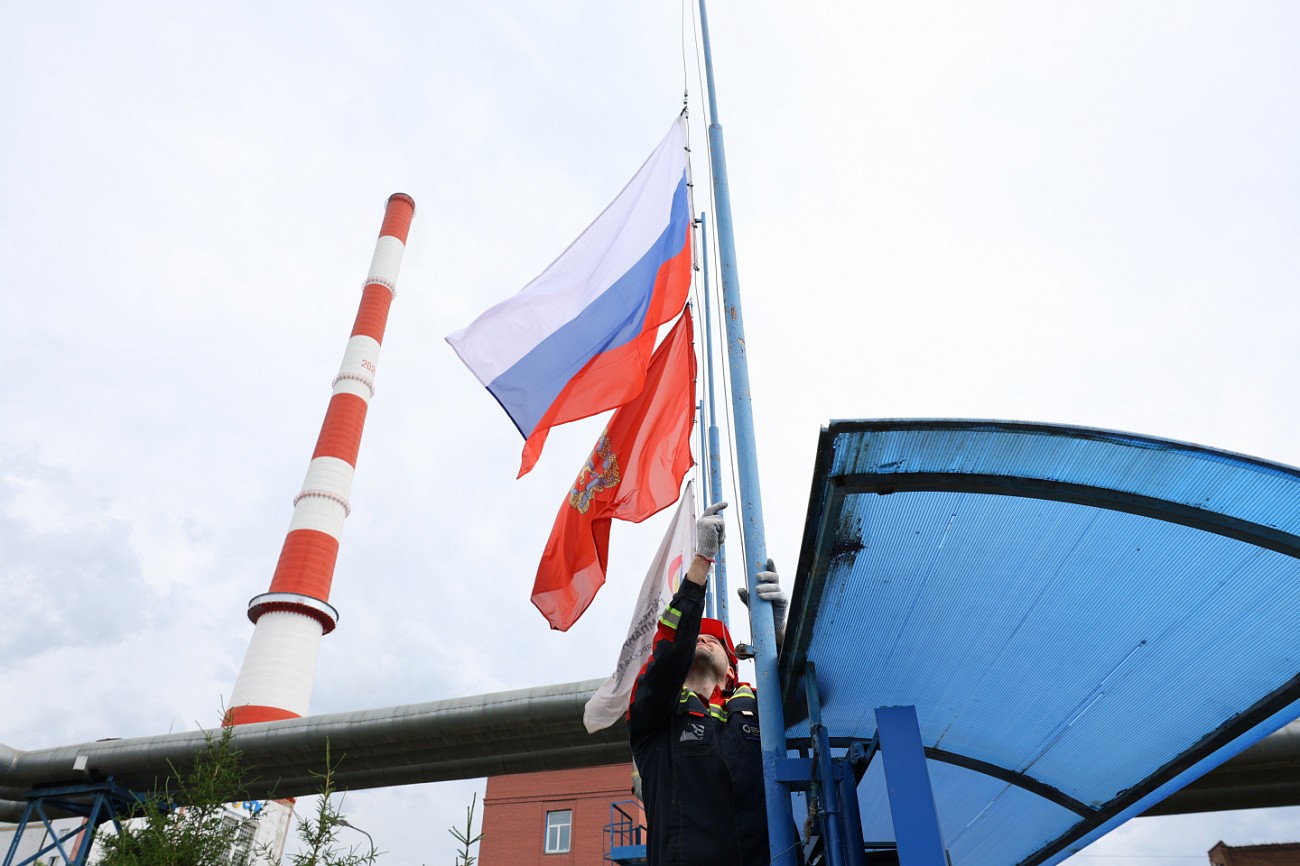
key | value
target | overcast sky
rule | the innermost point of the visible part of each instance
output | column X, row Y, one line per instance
column 1077, row 213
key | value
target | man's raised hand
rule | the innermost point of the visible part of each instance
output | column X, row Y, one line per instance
column 710, row 531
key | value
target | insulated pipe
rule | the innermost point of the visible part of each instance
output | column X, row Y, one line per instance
column 458, row 738
column 1264, row 776
column 494, row 734
column 527, row 761
column 289, row 619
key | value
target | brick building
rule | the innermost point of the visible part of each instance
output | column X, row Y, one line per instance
column 555, row 818
column 1282, row 854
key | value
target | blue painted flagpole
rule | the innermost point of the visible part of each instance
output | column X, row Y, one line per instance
column 714, row 488
column 711, row 592
column 780, row 826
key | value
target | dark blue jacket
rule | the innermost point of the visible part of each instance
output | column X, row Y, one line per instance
column 698, row 755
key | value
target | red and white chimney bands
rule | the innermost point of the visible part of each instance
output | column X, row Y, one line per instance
column 275, row 681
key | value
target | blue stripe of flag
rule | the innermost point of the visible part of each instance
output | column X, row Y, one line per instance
column 616, row 317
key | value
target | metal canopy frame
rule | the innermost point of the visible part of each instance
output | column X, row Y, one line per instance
column 847, row 467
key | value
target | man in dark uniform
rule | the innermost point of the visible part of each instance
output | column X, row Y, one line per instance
column 694, row 730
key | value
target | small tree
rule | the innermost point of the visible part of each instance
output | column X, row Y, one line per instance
column 463, row 857
column 319, row 835
column 201, row 832
column 188, row 821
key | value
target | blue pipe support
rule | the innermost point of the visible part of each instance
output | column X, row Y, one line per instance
column 35, row 810
column 715, row 448
column 780, row 825
column 18, row 833
column 107, row 802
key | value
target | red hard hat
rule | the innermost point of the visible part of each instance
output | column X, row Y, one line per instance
column 717, row 629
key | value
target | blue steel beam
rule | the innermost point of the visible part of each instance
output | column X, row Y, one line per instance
column 911, row 801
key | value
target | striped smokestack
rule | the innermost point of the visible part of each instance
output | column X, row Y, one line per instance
column 289, row 619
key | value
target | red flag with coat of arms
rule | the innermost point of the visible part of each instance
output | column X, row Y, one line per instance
column 635, row 470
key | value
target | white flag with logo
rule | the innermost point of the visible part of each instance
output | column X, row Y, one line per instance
column 609, row 703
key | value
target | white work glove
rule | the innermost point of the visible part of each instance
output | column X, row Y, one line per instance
column 769, row 589
column 710, row 531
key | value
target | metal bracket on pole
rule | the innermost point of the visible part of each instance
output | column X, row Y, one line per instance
column 911, row 800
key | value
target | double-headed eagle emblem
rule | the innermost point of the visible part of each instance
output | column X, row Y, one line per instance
column 599, row 473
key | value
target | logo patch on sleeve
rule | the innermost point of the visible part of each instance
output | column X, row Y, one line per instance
column 693, row 731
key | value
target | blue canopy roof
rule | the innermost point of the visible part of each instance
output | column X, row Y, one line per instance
column 1084, row 620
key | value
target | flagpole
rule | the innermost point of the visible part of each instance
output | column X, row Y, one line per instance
column 710, row 591
column 713, row 491
column 780, row 826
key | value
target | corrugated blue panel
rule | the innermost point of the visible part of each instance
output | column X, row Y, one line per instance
column 1122, row 614
column 1089, row 609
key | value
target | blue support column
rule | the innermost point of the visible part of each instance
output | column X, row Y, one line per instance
column 824, row 787
column 911, row 800
column 850, row 813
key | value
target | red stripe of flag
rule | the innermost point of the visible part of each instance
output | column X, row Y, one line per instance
column 635, row 470
column 614, row 377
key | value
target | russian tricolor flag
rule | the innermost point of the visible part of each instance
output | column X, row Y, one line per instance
column 577, row 339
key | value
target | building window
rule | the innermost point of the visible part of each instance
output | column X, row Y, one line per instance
column 558, row 825
column 243, row 833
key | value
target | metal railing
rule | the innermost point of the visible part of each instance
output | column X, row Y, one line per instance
column 625, row 835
